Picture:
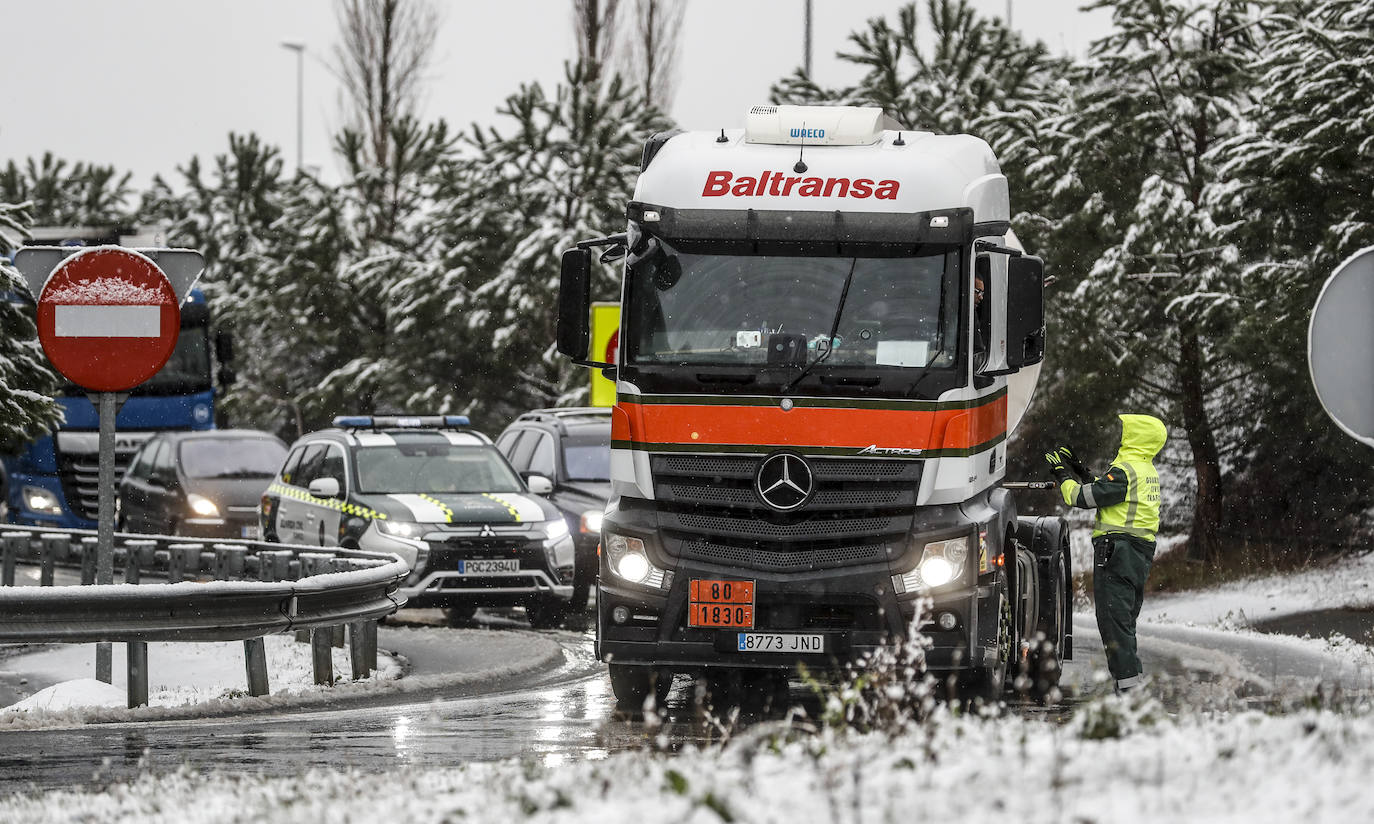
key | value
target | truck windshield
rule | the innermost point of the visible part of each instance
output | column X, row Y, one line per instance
column 708, row 309
column 186, row 372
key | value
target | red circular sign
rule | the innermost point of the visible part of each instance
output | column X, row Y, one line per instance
column 108, row 319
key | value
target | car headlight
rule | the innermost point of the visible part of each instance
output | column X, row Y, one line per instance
column 400, row 529
column 555, row 529
column 202, row 506
column 40, row 500
column 591, row 521
column 942, row 562
column 628, row 560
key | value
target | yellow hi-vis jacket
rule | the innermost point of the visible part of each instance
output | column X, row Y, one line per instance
column 1127, row 496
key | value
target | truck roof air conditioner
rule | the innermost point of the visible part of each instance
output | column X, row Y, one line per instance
column 814, row 125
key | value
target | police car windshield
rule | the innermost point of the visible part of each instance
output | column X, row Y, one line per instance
column 433, row 467
column 733, row 309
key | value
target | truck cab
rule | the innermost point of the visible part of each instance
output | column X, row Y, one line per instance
column 813, row 406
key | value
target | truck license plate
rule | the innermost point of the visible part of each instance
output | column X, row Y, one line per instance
column 487, row 567
column 713, row 603
column 780, row 642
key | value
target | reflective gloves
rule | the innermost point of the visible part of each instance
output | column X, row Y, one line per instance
column 1071, row 461
column 1057, row 467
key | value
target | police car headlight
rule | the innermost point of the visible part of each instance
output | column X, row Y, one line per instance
column 591, row 521
column 42, row 501
column 555, row 529
column 202, row 506
column 628, row 559
column 400, row 529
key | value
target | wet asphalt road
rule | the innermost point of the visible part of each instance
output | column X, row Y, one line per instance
column 562, row 715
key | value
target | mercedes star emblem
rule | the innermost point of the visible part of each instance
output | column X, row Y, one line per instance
column 784, row 481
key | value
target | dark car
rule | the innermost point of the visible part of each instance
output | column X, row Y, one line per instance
column 571, row 447
column 437, row 494
column 199, row 484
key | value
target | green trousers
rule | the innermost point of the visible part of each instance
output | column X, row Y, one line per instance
column 1121, row 563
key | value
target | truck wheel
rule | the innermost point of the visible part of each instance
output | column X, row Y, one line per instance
column 1044, row 666
column 985, row 684
column 632, row 683
column 545, row 613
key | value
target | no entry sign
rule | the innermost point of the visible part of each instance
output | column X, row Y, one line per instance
column 108, row 319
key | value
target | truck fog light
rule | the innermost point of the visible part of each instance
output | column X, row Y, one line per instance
column 620, row 615
column 936, row 571
column 947, row 620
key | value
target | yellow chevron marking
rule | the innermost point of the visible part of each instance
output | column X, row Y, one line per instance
column 515, row 513
column 448, row 513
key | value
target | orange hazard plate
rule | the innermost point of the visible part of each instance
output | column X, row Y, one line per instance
column 721, row 604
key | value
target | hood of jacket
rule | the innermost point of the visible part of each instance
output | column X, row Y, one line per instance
column 1142, row 436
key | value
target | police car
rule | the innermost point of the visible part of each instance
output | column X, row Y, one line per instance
column 440, row 496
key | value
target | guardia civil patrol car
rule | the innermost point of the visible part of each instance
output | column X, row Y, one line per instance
column 437, row 494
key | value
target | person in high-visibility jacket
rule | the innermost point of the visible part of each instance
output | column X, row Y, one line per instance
column 1127, row 500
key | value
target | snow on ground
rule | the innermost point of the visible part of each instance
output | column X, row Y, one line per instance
column 209, row 678
column 1348, row 583
column 1113, row 762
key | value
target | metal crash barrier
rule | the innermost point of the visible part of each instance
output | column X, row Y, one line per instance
column 222, row 590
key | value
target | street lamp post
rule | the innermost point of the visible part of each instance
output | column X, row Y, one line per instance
column 298, row 47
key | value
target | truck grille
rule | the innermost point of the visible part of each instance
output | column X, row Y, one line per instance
column 79, row 473
column 860, row 513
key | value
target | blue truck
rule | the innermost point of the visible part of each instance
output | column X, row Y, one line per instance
column 53, row 481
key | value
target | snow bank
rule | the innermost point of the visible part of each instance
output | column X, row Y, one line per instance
column 1348, row 583
column 1247, row 768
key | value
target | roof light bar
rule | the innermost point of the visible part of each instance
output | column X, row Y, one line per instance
column 400, row 421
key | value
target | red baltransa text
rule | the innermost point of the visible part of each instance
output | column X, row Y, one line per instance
column 777, row 184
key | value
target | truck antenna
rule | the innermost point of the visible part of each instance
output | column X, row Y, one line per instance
column 801, row 166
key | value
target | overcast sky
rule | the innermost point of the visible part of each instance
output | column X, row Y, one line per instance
column 146, row 84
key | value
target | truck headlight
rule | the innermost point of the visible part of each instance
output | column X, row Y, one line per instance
column 628, row 560
column 400, row 529
column 42, row 501
column 942, row 562
column 591, row 521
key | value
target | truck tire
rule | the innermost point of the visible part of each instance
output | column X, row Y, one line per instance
column 1048, row 539
column 984, row 685
column 632, row 683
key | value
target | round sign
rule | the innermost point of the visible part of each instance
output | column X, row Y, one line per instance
column 1340, row 346
column 108, row 319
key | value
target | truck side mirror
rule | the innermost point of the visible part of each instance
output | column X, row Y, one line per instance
column 1025, row 311
column 574, row 304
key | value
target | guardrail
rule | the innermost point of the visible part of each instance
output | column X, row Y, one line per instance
column 220, row 590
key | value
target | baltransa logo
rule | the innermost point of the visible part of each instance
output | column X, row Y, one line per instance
column 777, row 184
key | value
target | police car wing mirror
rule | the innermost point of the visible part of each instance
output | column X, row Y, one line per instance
column 324, row 488
column 574, row 304
column 538, row 484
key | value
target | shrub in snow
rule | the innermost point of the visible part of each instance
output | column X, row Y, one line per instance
column 888, row 690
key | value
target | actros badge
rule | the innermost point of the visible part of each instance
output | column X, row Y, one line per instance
column 784, row 481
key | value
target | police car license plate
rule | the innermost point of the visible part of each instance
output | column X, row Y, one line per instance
column 780, row 642
column 487, row 567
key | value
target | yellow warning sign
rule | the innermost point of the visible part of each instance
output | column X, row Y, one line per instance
column 605, row 343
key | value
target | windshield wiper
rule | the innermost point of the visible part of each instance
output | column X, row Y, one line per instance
column 834, row 329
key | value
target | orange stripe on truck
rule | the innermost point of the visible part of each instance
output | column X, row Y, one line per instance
column 808, row 426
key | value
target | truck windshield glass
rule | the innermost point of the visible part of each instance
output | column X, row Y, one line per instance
column 186, row 372
column 433, row 467
column 900, row 312
column 231, row 457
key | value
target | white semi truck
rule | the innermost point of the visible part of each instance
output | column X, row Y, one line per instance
column 813, row 403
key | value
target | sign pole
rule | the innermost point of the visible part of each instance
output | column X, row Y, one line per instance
column 108, row 404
